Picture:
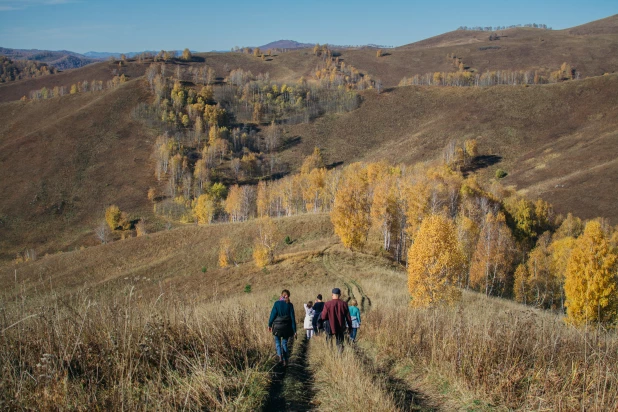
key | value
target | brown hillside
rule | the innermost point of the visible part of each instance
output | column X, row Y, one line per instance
column 558, row 141
column 178, row 257
column 98, row 71
column 592, row 54
column 608, row 25
column 64, row 160
column 285, row 67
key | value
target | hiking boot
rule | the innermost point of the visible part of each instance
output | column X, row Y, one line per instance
column 285, row 363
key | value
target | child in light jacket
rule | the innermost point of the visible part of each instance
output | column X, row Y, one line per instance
column 356, row 319
column 308, row 323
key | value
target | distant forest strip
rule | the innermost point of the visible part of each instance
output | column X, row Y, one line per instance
column 465, row 77
column 495, row 28
column 12, row 70
column 79, row 87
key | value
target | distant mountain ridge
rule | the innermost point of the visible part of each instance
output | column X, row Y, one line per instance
column 106, row 55
column 60, row 59
column 294, row 45
column 286, row 44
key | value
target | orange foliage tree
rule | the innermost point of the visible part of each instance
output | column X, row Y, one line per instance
column 491, row 263
column 434, row 263
column 350, row 215
column 265, row 243
column 590, row 285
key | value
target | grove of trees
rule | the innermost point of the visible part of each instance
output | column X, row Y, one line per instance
column 464, row 77
column 11, row 70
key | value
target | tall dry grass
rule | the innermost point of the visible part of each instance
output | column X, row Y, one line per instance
column 92, row 352
column 505, row 353
column 342, row 383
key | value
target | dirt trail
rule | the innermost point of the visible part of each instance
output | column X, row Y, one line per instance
column 405, row 397
column 291, row 388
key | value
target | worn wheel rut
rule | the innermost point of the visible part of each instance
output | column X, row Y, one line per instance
column 364, row 298
column 405, row 397
column 291, row 388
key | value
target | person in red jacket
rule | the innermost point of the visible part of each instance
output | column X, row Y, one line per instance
column 337, row 314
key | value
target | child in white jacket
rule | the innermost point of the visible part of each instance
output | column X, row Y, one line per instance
column 308, row 324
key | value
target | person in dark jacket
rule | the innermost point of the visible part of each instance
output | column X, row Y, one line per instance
column 337, row 314
column 318, row 307
column 282, row 324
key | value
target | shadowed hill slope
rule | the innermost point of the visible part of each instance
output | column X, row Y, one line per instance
column 558, row 141
column 64, row 160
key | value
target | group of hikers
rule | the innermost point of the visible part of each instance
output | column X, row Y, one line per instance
column 333, row 318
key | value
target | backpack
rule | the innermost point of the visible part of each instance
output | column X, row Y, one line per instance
column 282, row 326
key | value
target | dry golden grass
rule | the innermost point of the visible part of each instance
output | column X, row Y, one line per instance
column 487, row 351
column 184, row 259
column 168, row 336
column 342, row 381
column 118, row 352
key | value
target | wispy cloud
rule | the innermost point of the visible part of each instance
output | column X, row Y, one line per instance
column 81, row 30
column 10, row 5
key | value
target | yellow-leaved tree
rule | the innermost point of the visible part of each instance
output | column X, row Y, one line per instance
column 225, row 252
column 492, row 259
column 204, row 209
column 313, row 161
column 590, row 285
column 113, row 217
column 386, row 210
column 350, row 215
column 434, row 263
column 265, row 243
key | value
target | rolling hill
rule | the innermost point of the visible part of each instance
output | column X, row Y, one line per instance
column 556, row 141
column 67, row 158
column 591, row 49
column 78, row 154
column 98, row 71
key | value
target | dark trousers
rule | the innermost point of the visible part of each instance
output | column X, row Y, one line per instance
column 317, row 323
column 338, row 337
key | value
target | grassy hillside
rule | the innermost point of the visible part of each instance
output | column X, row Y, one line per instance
column 98, row 71
column 64, row 160
column 286, row 66
column 181, row 337
column 555, row 141
column 67, row 158
column 185, row 259
column 591, row 49
column 85, row 151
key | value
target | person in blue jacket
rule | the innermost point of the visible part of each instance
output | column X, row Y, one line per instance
column 356, row 319
column 282, row 324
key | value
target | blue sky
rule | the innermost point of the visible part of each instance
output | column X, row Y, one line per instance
column 124, row 26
